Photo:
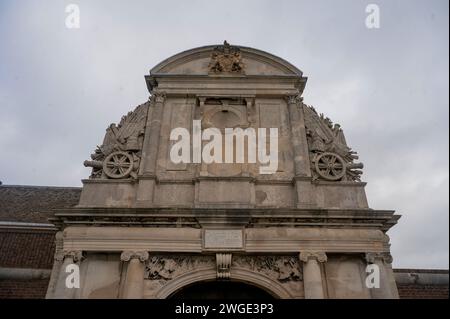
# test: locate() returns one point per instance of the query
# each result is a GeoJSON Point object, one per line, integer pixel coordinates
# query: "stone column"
{"type": "Point", "coordinates": [133, 286]}
{"type": "Point", "coordinates": [66, 258]}
{"type": "Point", "coordinates": [388, 287]}
{"type": "Point", "coordinates": [312, 274]}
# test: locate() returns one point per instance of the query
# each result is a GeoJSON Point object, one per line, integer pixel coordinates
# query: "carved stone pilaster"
{"type": "Point", "coordinates": [128, 255]}
{"type": "Point", "coordinates": [157, 97]}
{"type": "Point", "coordinates": [305, 256]}
{"type": "Point", "coordinates": [160, 97]}
{"type": "Point", "coordinates": [133, 287]}
{"type": "Point", "coordinates": [64, 258]}
{"type": "Point", "coordinates": [294, 99]}
{"type": "Point", "coordinates": [388, 286]}
{"type": "Point", "coordinates": [223, 262]}
{"type": "Point", "coordinates": [312, 273]}
{"type": "Point", "coordinates": [385, 257]}
{"type": "Point", "coordinates": [75, 255]}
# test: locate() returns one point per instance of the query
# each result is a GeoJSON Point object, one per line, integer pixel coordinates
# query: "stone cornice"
{"type": "Point", "coordinates": [169, 239]}
{"type": "Point", "coordinates": [252, 217]}
{"type": "Point", "coordinates": [256, 85]}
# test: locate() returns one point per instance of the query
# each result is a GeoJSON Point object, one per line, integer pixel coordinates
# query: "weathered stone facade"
{"type": "Point", "coordinates": [146, 227]}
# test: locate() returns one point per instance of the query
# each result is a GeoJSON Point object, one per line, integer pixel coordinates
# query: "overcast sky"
{"type": "Point", "coordinates": [387, 87]}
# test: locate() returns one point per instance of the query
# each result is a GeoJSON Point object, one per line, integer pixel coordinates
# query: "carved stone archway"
{"type": "Point", "coordinates": [261, 281]}
{"type": "Point", "coordinates": [221, 289]}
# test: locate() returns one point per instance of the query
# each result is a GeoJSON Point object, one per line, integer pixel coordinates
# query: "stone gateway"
{"type": "Point", "coordinates": [149, 227]}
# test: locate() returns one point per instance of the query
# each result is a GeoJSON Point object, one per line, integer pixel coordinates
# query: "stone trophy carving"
{"type": "Point", "coordinates": [119, 155]}
{"type": "Point", "coordinates": [281, 268]}
{"type": "Point", "coordinates": [226, 59]}
{"type": "Point", "coordinates": [331, 158]}
{"type": "Point", "coordinates": [166, 267]}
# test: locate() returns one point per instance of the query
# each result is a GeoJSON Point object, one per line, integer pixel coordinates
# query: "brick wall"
{"type": "Point", "coordinates": [23, 289]}
{"type": "Point", "coordinates": [422, 291]}
{"type": "Point", "coordinates": [33, 204]}
{"type": "Point", "coordinates": [27, 248]}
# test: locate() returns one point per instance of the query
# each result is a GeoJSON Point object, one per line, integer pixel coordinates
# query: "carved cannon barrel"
{"type": "Point", "coordinates": [355, 166]}
{"type": "Point", "coordinates": [95, 164]}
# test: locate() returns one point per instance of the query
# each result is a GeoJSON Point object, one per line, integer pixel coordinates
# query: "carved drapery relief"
{"type": "Point", "coordinates": [331, 158]}
{"type": "Point", "coordinates": [119, 155]}
{"type": "Point", "coordinates": [226, 59]}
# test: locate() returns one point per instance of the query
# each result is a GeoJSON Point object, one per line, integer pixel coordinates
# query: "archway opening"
{"type": "Point", "coordinates": [220, 290]}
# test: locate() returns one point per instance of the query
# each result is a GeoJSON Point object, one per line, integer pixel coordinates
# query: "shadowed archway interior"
{"type": "Point", "coordinates": [221, 290]}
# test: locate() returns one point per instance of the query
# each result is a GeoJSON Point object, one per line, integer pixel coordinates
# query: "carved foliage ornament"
{"type": "Point", "coordinates": [119, 155]}
{"type": "Point", "coordinates": [226, 59]}
{"type": "Point", "coordinates": [331, 158]}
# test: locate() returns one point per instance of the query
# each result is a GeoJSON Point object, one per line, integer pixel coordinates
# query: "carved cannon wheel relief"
{"type": "Point", "coordinates": [118, 165]}
{"type": "Point", "coordinates": [330, 166]}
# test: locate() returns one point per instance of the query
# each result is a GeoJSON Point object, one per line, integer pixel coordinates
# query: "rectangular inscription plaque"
{"type": "Point", "coordinates": [223, 239]}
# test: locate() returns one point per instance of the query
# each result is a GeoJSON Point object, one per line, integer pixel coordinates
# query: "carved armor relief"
{"type": "Point", "coordinates": [119, 155]}
{"type": "Point", "coordinates": [331, 159]}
